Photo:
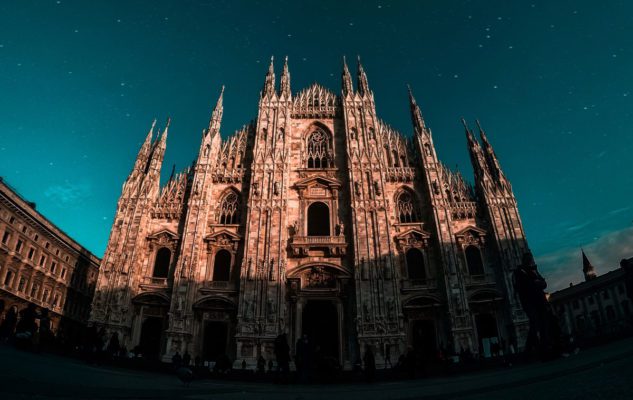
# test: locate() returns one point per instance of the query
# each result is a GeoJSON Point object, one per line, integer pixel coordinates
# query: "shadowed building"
{"type": "Point", "coordinates": [316, 218]}
{"type": "Point", "coordinates": [40, 264]}
{"type": "Point", "coordinates": [597, 307]}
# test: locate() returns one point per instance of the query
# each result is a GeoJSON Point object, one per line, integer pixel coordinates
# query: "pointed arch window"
{"type": "Point", "coordinates": [474, 260]}
{"type": "Point", "coordinates": [415, 264]}
{"type": "Point", "coordinates": [405, 208]}
{"type": "Point", "coordinates": [319, 150]}
{"type": "Point", "coordinates": [222, 266]}
{"type": "Point", "coordinates": [230, 209]}
{"type": "Point", "coordinates": [161, 264]}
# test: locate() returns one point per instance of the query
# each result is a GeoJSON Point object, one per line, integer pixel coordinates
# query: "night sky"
{"type": "Point", "coordinates": [551, 82]}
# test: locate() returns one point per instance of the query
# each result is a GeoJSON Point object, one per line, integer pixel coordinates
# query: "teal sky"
{"type": "Point", "coordinates": [551, 82]}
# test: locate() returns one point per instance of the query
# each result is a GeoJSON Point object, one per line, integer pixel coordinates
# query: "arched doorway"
{"type": "Point", "coordinates": [318, 219]}
{"type": "Point", "coordinates": [424, 339]}
{"type": "Point", "coordinates": [215, 338]}
{"type": "Point", "coordinates": [487, 333]}
{"type": "Point", "coordinates": [151, 337]}
{"type": "Point", "coordinates": [320, 321]}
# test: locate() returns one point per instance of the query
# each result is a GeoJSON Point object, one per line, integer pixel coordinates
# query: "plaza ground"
{"type": "Point", "coordinates": [597, 373]}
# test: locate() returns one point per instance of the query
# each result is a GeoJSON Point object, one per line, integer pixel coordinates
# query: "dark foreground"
{"type": "Point", "coordinates": [598, 373]}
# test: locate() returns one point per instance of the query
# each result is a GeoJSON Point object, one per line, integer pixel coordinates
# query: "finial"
{"type": "Point", "coordinates": [464, 123]}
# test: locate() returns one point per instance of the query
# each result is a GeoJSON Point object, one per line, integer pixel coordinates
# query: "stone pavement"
{"type": "Point", "coordinates": [597, 373]}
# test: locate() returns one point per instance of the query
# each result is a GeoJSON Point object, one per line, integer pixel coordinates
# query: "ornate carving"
{"type": "Point", "coordinates": [319, 278]}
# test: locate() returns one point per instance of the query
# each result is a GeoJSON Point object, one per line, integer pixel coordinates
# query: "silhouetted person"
{"type": "Point", "coordinates": [282, 354]}
{"type": "Point", "coordinates": [530, 287]}
{"type": "Point", "coordinates": [409, 362]}
{"type": "Point", "coordinates": [186, 359]}
{"type": "Point", "coordinates": [388, 356]}
{"type": "Point", "coordinates": [261, 364]}
{"type": "Point", "coordinates": [370, 363]}
{"type": "Point", "coordinates": [113, 345]}
{"type": "Point", "coordinates": [8, 325]}
{"type": "Point", "coordinates": [176, 360]}
{"type": "Point", "coordinates": [46, 335]}
{"type": "Point", "coordinates": [303, 357]}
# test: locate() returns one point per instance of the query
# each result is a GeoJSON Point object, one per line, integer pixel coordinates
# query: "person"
{"type": "Point", "coordinates": [186, 358]}
{"type": "Point", "coordinates": [370, 364]}
{"type": "Point", "coordinates": [282, 354]}
{"type": "Point", "coordinates": [8, 325]}
{"type": "Point", "coordinates": [530, 288]}
{"type": "Point", "coordinates": [388, 355]}
{"type": "Point", "coordinates": [303, 357]}
{"type": "Point", "coordinates": [46, 336]}
{"type": "Point", "coordinates": [261, 364]}
{"type": "Point", "coordinates": [409, 362]}
{"type": "Point", "coordinates": [176, 360]}
{"type": "Point", "coordinates": [113, 345]}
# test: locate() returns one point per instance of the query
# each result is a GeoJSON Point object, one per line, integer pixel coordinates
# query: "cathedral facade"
{"type": "Point", "coordinates": [315, 219]}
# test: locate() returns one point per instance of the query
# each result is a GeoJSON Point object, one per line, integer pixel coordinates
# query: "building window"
{"type": "Point", "coordinates": [47, 245]}
{"type": "Point", "coordinates": [590, 300]}
{"type": "Point", "coordinates": [53, 267]}
{"type": "Point", "coordinates": [161, 265]}
{"type": "Point", "coordinates": [55, 300]}
{"type": "Point", "coordinates": [595, 318]}
{"type": "Point", "coordinates": [63, 275]}
{"type": "Point", "coordinates": [610, 313]}
{"type": "Point", "coordinates": [576, 304]}
{"type": "Point", "coordinates": [24, 229]}
{"type": "Point", "coordinates": [406, 208]}
{"type": "Point", "coordinates": [11, 220]}
{"type": "Point", "coordinates": [222, 266]}
{"type": "Point", "coordinates": [580, 322]}
{"type": "Point", "coordinates": [45, 296]}
{"type": "Point", "coordinates": [415, 265]}
{"type": "Point", "coordinates": [34, 289]}
{"type": "Point", "coordinates": [5, 237]}
{"type": "Point", "coordinates": [36, 237]}
{"type": "Point", "coordinates": [21, 284]}
{"type": "Point", "coordinates": [18, 245]}
{"type": "Point", "coordinates": [8, 278]}
{"type": "Point", "coordinates": [605, 294]}
{"type": "Point", "coordinates": [31, 252]}
{"type": "Point", "coordinates": [230, 209]}
{"type": "Point", "coordinates": [42, 260]}
{"type": "Point", "coordinates": [474, 261]}
{"type": "Point", "coordinates": [319, 150]}
{"type": "Point", "coordinates": [318, 219]}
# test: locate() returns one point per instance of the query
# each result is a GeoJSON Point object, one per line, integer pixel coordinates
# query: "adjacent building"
{"type": "Point", "coordinates": [42, 265]}
{"type": "Point", "coordinates": [318, 219]}
{"type": "Point", "coordinates": [597, 307]}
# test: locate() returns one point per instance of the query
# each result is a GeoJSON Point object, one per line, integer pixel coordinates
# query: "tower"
{"type": "Point", "coordinates": [587, 269]}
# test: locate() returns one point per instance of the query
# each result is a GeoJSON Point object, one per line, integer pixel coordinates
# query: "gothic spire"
{"type": "Point", "coordinates": [587, 269]}
{"type": "Point", "coordinates": [216, 116]}
{"type": "Point", "coordinates": [269, 82]}
{"type": "Point", "coordinates": [476, 155]}
{"type": "Point", "coordinates": [363, 86]}
{"type": "Point", "coordinates": [347, 80]}
{"type": "Point", "coordinates": [145, 150]}
{"type": "Point", "coordinates": [284, 83]}
{"type": "Point", "coordinates": [490, 156]}
{"type": "Point", "coordinates": [416, 114]}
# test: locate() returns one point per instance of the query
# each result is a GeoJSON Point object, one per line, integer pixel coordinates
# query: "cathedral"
{"type": "Point", "coordinates": [316, 219]}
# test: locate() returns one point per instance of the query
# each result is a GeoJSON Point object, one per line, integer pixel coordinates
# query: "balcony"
{"type": "Point", "coordinates": [150, 282]}
{"type": "Point", "coordinates": [332, 246]}
{"type": "Point", "coordinates": [480, 280]}
{"type": "Point", "coordinates": [418, 284]}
